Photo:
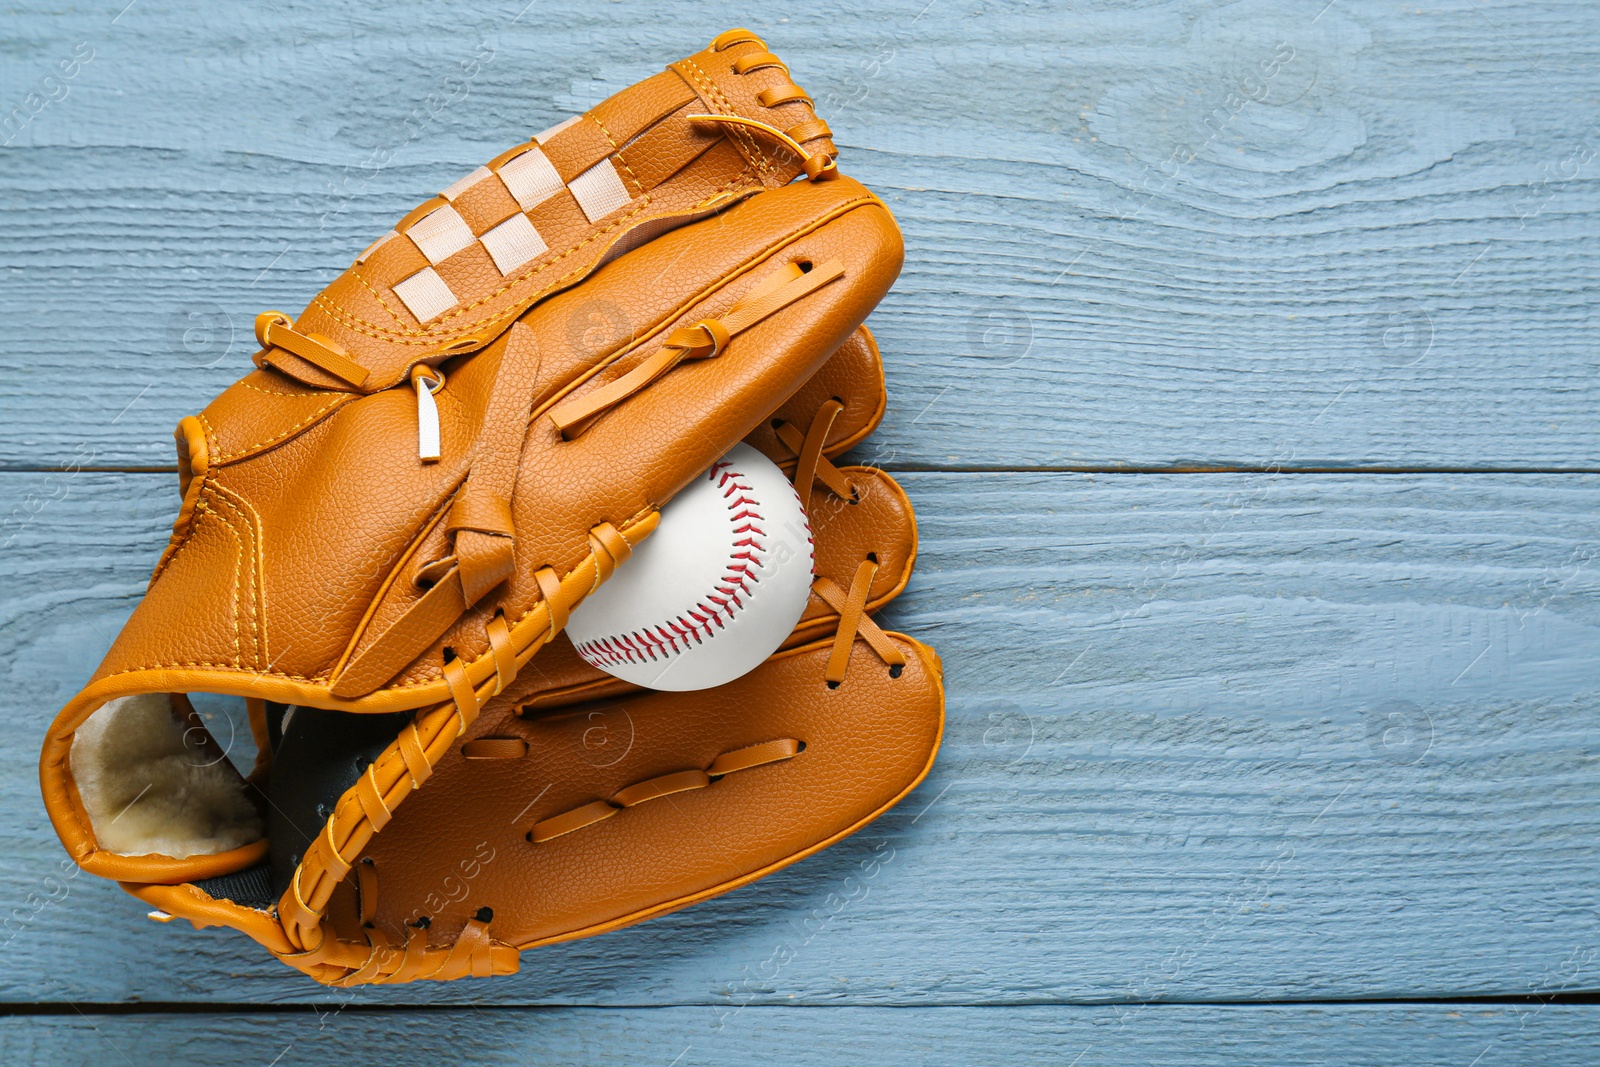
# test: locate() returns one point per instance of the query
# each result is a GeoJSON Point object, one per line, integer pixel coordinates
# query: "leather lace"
{"type": "Point", "coordinates": [472, 953]}
{"type": "Point", "coordinates": [284, 346]}
{"type": "Point", "coordinates": [794, 138]}
{"type": "Point", "coordinates": [816, 167]}
{"type": "Point", "coordinates": [812, 466]}
{"type": "Point", "coordinates": [853, 623]}
{"type": "Point", "coordinates": [662, 786]}
{"type": "Point", "coordinates": [704, 340]}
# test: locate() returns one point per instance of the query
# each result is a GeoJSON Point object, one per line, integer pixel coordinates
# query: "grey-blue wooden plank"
{"type": "Point", "coordinates": [1382, 251]}
{"type": "Point", "coordinates": [1380, 1035]}
{"type": "Point", "coordinates": [1223, 737]}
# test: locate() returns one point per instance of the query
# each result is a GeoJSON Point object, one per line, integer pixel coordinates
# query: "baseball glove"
{"type": "Point", "coordinates": [458, 440]}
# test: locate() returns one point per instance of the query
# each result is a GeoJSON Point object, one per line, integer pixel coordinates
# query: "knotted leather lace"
{"type": "Point", "coordinates": [704, 340]}
{"type": "Point", "coordinates": [288, 349]}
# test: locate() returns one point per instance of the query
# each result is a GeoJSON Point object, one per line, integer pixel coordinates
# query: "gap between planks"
{"type": "Point", "coordinates": [178, 1007]}
{"type": "Point", "coordinates": [957, 468]}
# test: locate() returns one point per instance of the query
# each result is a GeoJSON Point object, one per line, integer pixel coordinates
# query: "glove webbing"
{"type": "Point", "coordinates": [644, 136]}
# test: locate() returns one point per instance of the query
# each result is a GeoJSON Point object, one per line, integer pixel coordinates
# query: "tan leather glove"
{"type": "Point", "coordinates": [455, 442]}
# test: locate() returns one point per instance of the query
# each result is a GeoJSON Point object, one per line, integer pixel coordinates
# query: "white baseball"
{"type": "Point", "coordinates": [713, 591]}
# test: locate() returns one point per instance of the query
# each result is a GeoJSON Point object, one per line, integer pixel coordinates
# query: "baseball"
{"type": "Point", "coordinates": [713, 591]}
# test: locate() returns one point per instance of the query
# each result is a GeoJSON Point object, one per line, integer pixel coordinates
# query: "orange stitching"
{"type": "Point", "coordinates": [286, 434]}
{"type": "Point", "coordinates": [703, 81]}
{"type": "Point", "coordinates": [744, 139]}
{"type": "Point", "coordinates": [213, 666]}
{"type": "Point", "coordinates": [767, 165]}
{"type": "Point", "coordinates": [348, 317]}
{"type": "Point", "coordinates": [214, 446]}
{"type": "Point", "coordinates": [175, 547]}
{"type": "Point", "coordinates": [616, 150]}
{"type": "Point", "coordinates": [399, 323]}
{"type": "Point", "coordinates": [238, 555]}
{"type": "Point", "coordinates": [259, 579]}
{"type": "Point", "coordinates": [200, 506]}
{"type": "Point", "coordinates": [748, 144]}
{"type": "Point", "coordinates": [243, 384]}
{"type": "Point", "coordinates": [238, 570]}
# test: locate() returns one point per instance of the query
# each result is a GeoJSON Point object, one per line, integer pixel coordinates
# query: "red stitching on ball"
{"type": "Point", "coordinates": [747, 557]}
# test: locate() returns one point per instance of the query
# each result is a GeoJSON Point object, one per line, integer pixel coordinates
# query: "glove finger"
{"type": "Point", "coordinates": [853, 376]}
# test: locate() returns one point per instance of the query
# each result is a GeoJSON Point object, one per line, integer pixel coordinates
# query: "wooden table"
{"type": "Point", "coordinates": [1243, 373]}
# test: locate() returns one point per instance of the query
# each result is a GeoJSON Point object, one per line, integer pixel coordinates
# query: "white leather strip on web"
{"type": "Point", "coordinates": [557, 128]}
{"type": "Point", "coordinates": [599, 190]}
{"type": "Point", "coordinates": [459, 187]}
{"type": "Point", "coordinates": [426, 294]}
{"type": "Point", "coordinates": [531, 178]}
{"type": "Point", "coordinates": [440, 234]}
{"type": "Point", "coordinates": [513, 243]}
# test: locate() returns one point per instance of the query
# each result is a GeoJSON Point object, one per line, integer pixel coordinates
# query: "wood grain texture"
{"type": "Point", "coordinates": [1434, 1035]}
{"type": "Point", "coordinates": [1212, 738]}
{"type": "Point", "coordinates": [1270, 233]}
{"type": "Point", "coordinates": [1223, 737]}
